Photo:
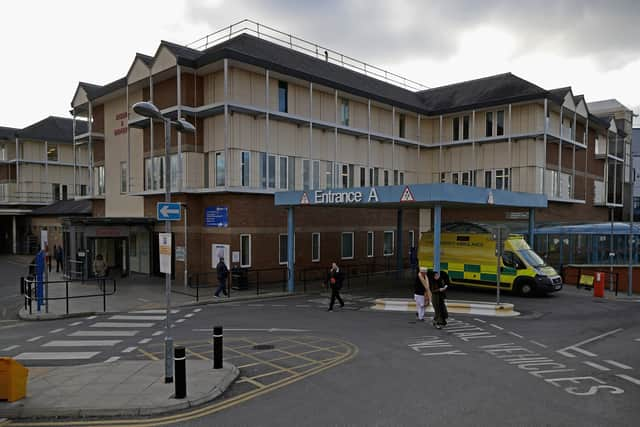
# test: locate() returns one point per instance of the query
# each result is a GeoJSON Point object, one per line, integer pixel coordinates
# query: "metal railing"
{"type": "Point", "coordinates": [248, 26]}
{"type": "Point", "coordinates": [106, 287]}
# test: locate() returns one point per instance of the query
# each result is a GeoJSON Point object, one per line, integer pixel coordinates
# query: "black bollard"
{"type": "Point", "coordinates": [180, 374]}
{"type": "Point", "coordinates": [217, 347]}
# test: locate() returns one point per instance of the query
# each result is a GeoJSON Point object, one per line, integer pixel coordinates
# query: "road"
{"type": "Point", "coordinates": [11, 269]}
{"type": "Point", "coordinates": [567, 360]}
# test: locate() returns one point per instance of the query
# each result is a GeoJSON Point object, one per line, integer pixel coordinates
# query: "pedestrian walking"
{"type": "Point", "coordinates": [48, 257]}
{"type": "Point", "coordinates": [57, 252]}
{"type": "Point", "coordinates": [421, 293]}
{"type": "Point", "coordinates": [335, 283]}
{"type": "Point", "coordinates": [100, 270]}
{"type": "Point", "coordinates": [222, 272]}
{"type": "Point", "coordinates": [438, 287]}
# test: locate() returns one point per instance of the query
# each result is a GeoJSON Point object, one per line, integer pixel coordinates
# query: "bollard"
{"type": "Point", "coordinates": [217, 347]}
{"type": "Point", "coordinates": [180, 373]}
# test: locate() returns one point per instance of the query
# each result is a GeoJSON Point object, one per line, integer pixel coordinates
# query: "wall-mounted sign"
{"type": "Point", "coordinates": [180, 253]}
{"type": "Point", "coordinates": [518, 215]}
{"type": "Point", "coordinates": [343, 197]}
{"type": "Point", "coordinates": [216, 216]}
{"type": "Point", "coordinates": [122, 127]}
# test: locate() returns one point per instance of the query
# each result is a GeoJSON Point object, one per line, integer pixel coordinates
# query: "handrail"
{"type": "Point", "coordinates": [248, 26]}
{"type": "Point", "coordinates": [30, 294]}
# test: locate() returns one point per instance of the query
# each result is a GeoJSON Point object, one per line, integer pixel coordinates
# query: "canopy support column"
{"type": "Point", "coordinates": [399, 244]}
{"type": "Point", "coordinates": [532, 227]}
{"type": "Point", "coordinates": [290, 254]}
{"type": "Point", "coordinates": [437, 220]}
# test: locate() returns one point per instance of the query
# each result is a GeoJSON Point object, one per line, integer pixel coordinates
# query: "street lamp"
{"type": "Point", "coordinates": [148, 109]}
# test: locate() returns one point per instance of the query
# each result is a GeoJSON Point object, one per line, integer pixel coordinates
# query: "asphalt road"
{"type": "Point", "coordinates": [11, 269]}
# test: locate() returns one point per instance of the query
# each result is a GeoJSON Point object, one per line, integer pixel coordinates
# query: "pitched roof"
{"type": "Point", "coordinates": [52, 128]}
{"type": "Point", "coordinates": [606, 106]}
{"type": "Point", "coordinates": [479, 93]}
{"type": "Point", "coordinates": [7, 133]}
{"type": "Point", "coordinates": [65, 208]}
{"type": "Point", "coordinates": [145, 58]}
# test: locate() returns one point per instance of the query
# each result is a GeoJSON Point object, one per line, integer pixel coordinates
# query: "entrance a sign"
{"type": "Point", "coordinates": [165, 252]}
{"type": "Point", "coordinates": [168, 211]}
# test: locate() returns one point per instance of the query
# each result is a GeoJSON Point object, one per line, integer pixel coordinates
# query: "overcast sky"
{"type": "Point", "coordinates": [591, 45]}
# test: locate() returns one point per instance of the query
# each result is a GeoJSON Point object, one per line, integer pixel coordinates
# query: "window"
{"type": "Point", "coordinates": [344, 112]}
{"type": "Point", "coordinates": [456, 128]}
{"type": "Point", "coordinates": [329, 175]}
{"type": "Point", "coordinates": [173, 161]}
{"type": "Point", "coordinates": [386, 177]}
{"type": "Point", "coordinates": [443, 177]}
{"type": "Point", "coordinates": [465, 127]}
{"type": "Point", "coordinates": [220, 173]}
{"type": "Point", "coordinates": [505, 176]}
{"type": "Point", "coordinates": [52, 153]}
{"type": "Point", "coordinates": [499, 179]}
{"type": "Point", "coordinates": [388, 243]}
{"type": "Point", "coordinates": [412, 241]}
{"type": "Point", "coordinates": [376, 174]}
{"type": "Point", "coordinates": [402, 126]}
{"type": "Point", "coordinates": [100, 178]}
{"type": "Point", "coordinates": [81, 190]}
{"type": "Point", "coordinates": [282, 248]}
{"type": "Point", "coordinates": [347, 245]}
{"type": "Point", "coordinates": [454, 178]}
{"type": "Point", "coordinates": [315, 247]}
{"type": "Point", "coordinates": [272, 171]}
{"type": "Point", "coordinates": [369, 244]}
{"type": "Point", "coordinates": [283, 94]}
{"type": "Point", "coordinates": [245, 250]}
{"type": "Point", "coordinates": [306, 174]}
{"type": "Point", "coordinates": [284, 175]}
{"type": "Point", "coordinates": [263, 170]}
{"type": "Point", "coordinates": [500, 122]}
{"type": "Point", "coordinates": [466, 178]}
{"type": "Point", "coordinates": [316, 174]}
{"type": "Point", "coordinates": [123, 177]}
{"type": "Point", "coordinates": [401, 178]}
{"type": "Point", "coordinates": [245, 168]}
{"type": "Point", "coordinates": [3, 152]}
{"type": "Point", "coordinates": [363, 177]}
{"type": "Point", "coordinates": [55, 191]}
{"type": "Point", "coordinates": [395, 177]}
{"type": "Point", "coordinates": [489, 124]}
{"type": "Point", "coordinates": [291, 166]}
{"type": "Point", "coordinates": [345, 176]}
{"type": "Point", "coordinates": [488, 181]}
{"type": "Point", "coordinates": [352, 176]}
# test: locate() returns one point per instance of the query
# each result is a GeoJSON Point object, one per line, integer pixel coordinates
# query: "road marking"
{"type": "Point", "coordinates": [153, 312]}
{"type": "Point", "coordinates": [618, 364]}
{"type": "Point", "coordinates": [55, 331]}
{"type": "Point", "coordinates": [112, 359]}
{"type": "Point", "coordinates": [75, 323]}
{"type": "Point", "coordinates": [91, 317]}
{"type": "Point", "coordinates": [197, 310]}
{"type": "Point", "coordinates": [188, 315]}
{"type": "Point", "coordinates": [255, 305]}
{"type": "Point", "coordinates": [516, 335]}
{"type": "Point", "coordinates": [148, 355]}
{"type": "Point", "coordinates": [103, 334]}
{"type": "Point", "coordinates": [34, 339]}
{"type": "Point", "coordinates": [278, 305]}
{"type": "Point", "coordinates": [575, 347]}
{"type": "Point", "coordinates": [180, 320]}
{"type": "Point", "coordinates": [628, 378]}
{"type": "Point", "coordinates": [155, 334]}
{"type": "Point", "coordinates": [11, 347]}
{"type": "Point", "coordinates": [138, 317]}
{"type": "Point", "coordinates": [121, 325]}
{"type": "Point", "coordinates": [84, 343]}
{"type": "Point", "coordinates": [597, 366]}
{"type": "Point", "coordinates": [70, 355]}
{"type": "Point", "coordinates": [253, 330]}
{"type": "Point", "coordinates": [637, 339]}
{"type": "Point", "coordinates": [144, 341]}
{"type": "Point", "coordinates": [497, 327]}
{"type": "Point", "coordinates": [479, 320]}
{"type": "Point", "coordinates": [129, 349]}
{"type": "Point", "coordinates": [303, 305]}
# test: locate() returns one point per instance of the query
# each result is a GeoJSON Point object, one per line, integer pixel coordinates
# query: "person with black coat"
{"type": "Point", "coordinates": [438, 286]}
{"type": "Point", "coordinates": [335, 283]}
{"type": "Point", "coordinates": [222, 272]}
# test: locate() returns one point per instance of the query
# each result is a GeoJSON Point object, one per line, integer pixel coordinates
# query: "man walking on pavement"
{"type": "Point", "coordinates": [438, 287]}
{"type": "Point", "coordinates": [222, 272]}
{"type": "Point", "coordinates": [335, 283]}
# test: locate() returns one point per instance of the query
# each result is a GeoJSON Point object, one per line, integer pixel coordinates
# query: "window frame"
{"type": "Point", "coordinates": [465, 127]}
{"type": "Point", "coordinates": [384, 252]}
{"type": "Point", "coordinates": [280, 236]}
{"type": "Point", "coordinates": [123, 177]}
{"type": "Point", "coordinates": [55, 149]}
{"type": "Point", "coordinates": [283, 161]}
{"type": "Point", "coordinates": [455, 125]}
{"type": "Point", "coordinates": [344, 111]}
{"type": "Point", "coordinates": [371, 248]}
{"type": "Point", "coordinates": [500, 123]}
{"type": "Point", "coordinates": [402, 125]}
{"type": "Point", "coordinates": [488, 123]}
{"type": "Point", "coordinates": [245, 265]}
{"type": "Point", "coordinates": [313, 237]}
{"type": "Point", "coordinates": [342, 235]}
{"type": "Point", "coordinates": [245, 168]}
{"type": "Point", "coordinates": [283, 89]}
{"type": "Point", "coordinates": [220, 173]}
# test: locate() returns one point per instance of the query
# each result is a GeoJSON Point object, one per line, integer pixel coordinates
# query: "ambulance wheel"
{"type": "Point", "coordinates": [526, 287]}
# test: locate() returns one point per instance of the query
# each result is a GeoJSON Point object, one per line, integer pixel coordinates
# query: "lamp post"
{"type": "Point", "coordinates": [148, 109]}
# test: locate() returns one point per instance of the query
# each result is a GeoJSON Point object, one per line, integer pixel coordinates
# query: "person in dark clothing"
{"type": "Point", "coordinates": [335, 283]}
{"type": "Point", "coordinates": [222, 272]}
{"type": "Point", "coordinates": [438, 287]}
{"type": "Point", "coordinates": [59, 257]}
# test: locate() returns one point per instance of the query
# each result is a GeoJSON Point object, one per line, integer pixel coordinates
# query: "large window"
{"type": "Point", "coordinates": [386, 177]}
{"type": "Point", "coordinates": [245, 169]}
{"type": "Point", "coordinates": [284, 162]}
{"type": "Point", "coordinates": [465, 127]}
{"type": "Point", "coordinates": [363, 177]}
{"type": "Point", "coordinates": [329, 175]}
{"type": "Point", "coordinates": [388, 243]}
{"type": "Point", "coordinates": [272, 171]}
{"type": "Point", "coordinates": [345, 176]}
{"type": "Point", "coordinates": [263, 170]}
{"type": "Point", "coordinates": [283, 94]}
{"type": "Point", "coordinates": [3, 152]}
{"type": "Point", "coordinates": [52, 152]}
{"type": "Point", "coordinates": [488, 124]}
{"type": "Point", "coordinates": [456, 128]}
{"type": "Point", "coordinates": [55, 191]}
{"type": "Point", "coordinates": [283, 244]}
{"type": "Point", "coordinates": [306, 174]}
{"type": "Point", "coordinates": [344, 112]}
{"type": "Point", "coordinates": [220, 169]}
{"type": "Point", "coordinates": [500, 123]}
{"type": "Point", "coordinates": [315, 247]}
{"type": "Point", "coordinates": [402, 126]}
{"type": "Point", "coordinates": [370, 243]}
{"type": "Point", "coordinates": [100, 180]}
{"type": "Point", "coordinates": [291, 166]}
{"type": "Point", "coordinates": [347, 245]}
{"type": "Point", "coordinates": [316, 174]}
{"type": "Point", "coordinates": [245, 250]}
{"type": "Point", "coordinates": [123, 177]}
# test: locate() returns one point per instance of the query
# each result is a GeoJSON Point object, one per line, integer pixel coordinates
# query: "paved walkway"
{"type": "Point", "coordinates": [125, 388]}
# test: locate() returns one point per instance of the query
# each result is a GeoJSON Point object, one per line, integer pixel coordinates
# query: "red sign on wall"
{"type": "Point", "coordinates": [123, 127]}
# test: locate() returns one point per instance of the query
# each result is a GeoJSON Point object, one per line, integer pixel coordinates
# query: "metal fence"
{"type": "Point", "coordinates": [28, 287]}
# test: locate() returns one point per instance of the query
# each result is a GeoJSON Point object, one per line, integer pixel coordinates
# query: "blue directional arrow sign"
{"type": "Point", "coordinates": [168, 211]}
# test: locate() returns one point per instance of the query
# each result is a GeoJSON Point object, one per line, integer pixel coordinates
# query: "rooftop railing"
{"type": "Point", "coordinates": [247, 26]}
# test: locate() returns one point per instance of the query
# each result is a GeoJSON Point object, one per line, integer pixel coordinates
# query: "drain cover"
{"type": "Point", "coordinates": [263, 347]}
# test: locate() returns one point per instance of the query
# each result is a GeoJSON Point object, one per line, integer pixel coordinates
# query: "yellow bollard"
{"type": "Point", "coordinates": [13, 380]}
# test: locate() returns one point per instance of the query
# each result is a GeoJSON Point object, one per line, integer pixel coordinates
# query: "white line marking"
{"type": "Point", "coordinates": [75, 324]}
{"type": "Point", "coordinates": [538, 343]}
{"type": "Point", "coordinates": [121, 325]}
{"type": "Point", "coordinates": [55, 331]}
{"type": "Point", "coordinates": [597, 366]}
{"type": "Point", "coordinates": [479, 320]}
{"type": "Point", "coordinates": [153, 312]}
{"type": "Point", "coordinates": [197, 310]}
{"type": "Point", "coordinates": [497, 327]}
{"type": "Point", "coordinates": [144, 341]}
{"type": "Point", "coordinates": [188, 315]}
{"type": "Point", "coordinates": [155, 334]}
{"type": "Point", "coordinates": [253, 330]}
{"type": "Point", "coordinates": [34, 339]}
{"type": "Point", "coordinates": [128, 349]}
{"type": "Point", "coordinates": [180, 320]}
{"type": "Point", "coordinates": [103, 334]}
{"type": "Point", "coordinates": [303, 305]}
{"type": "Point", "coordinates": [574, 347]}
{"type": "Point", "coordinates": [57, 355]}
{"type": "Point", "coordinates": [255, 305]}
{"type": "Point", "coordinates": [91, 317]}
{"type": "Point", "coordinates": [278, 305]}
{"type": "Point", "coordinates": [85, 343]}
{"type": "Point", "coordinates": [516, 335]}
{"type": "Point", "coordinates": [11, 347]}
{"type": "Point", "coordinates": [637, 339]}
{"type": "Point", "coordinates": [618, 364]}
{"type": "Point", "coordinates": [138, 317]}
{"type": "Point", "coordinates": [628, 378]}
{"type": "Point", "coordinates": [112, 359]}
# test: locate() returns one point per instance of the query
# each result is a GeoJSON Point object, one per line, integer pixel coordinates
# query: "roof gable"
{"type": "Point", "coordinates": [163, 59]}
{"type": "Point", "coordinates": [139, 69]}
{"type": "Point", "coordinates": [59, 129]}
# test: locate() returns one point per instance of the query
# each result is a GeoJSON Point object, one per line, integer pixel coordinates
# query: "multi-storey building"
{"type": "Point", "coordinates": [274, 116]}
{"type": "Point", "coordinates": [635, 153]}
{"type": "Point", "coordinates": [38, 166]}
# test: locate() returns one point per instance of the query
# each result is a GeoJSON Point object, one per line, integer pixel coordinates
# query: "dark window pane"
{"type": "Point", "coordinates": [489, 124]}
{"type": "Point", "coordinates": [465, 127]}
{"type": "Point", "coordinates": [500, 123]}
{"type": "Point", "coordinates": [456, 128]}
{"type": "Point", "coordinates": [282, 97]}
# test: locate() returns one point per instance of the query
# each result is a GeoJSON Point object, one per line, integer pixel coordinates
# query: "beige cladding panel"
{"type": "Point", "coordinates": [213, 133]}
{"type": "Point", "coordinates": [273, 94]}
{"type": "Point", "coordinates": [258, 90]}
{"type": "Point", "coordinates": [323, 144]}
{"type": "Point", "coordinates": [351, 149]}
{"type": "Point", "coordinates": [65, 152]}
{"type": "Point", "coordinates": [80, 98]}
{"type": "Point", "coordinates": [324, 106]}
{"type": "Point", "coordinates": [358, 115]}
{"type": "Point", "coordinates": [163, 61]}
{"type": "Point", "coordinates": [32, 150]}
{"type": "Point", "coordinates": [298, 102]}
{"type": "Point", "coordinates": [139, 71]}
{"type": "Point", "coordinates": [381, 120]}
{"type": "Point", "coordinates": [411, 127]}
{"type": "Point", "coordinates": [213, 88]}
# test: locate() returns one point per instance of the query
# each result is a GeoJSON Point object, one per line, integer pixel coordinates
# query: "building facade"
{"type": "Point", "coordinates": [270, 117]}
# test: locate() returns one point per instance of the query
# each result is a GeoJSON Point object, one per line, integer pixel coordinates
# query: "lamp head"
{"type": "Point", "coordinates": [147, 109]}
{"type": "Point", "coordinates": [183, 126]}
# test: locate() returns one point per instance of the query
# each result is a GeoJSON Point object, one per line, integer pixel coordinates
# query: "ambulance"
{"type": "Point", "coordinates": [468, 257]}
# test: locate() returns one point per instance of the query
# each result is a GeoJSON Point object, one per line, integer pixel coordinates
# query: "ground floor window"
{"type": "Point", "coordinates": [388, 243]}
{"type": "Point", "coordinates": [315, 247]}
{"type": "Point", "coordinates": [370, 244]}
{"type": "Point", "coordinates": [347, 245]}
{"type": "Point", "coordinates": [412, 242]}
{"type": "Point", "coordinates": [245, 250]}
{"type": "Point", "coordinates": [283, 245]}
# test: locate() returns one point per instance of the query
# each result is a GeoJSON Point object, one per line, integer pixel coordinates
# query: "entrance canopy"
{"type": "Point", "coordinates": [412, 196]}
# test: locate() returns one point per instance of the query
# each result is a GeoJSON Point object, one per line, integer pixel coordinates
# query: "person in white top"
{"type": "Point", "coordinates": [421, 293]}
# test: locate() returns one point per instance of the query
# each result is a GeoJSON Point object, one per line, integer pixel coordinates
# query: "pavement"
{"type": "Point", "coordinates": [126, 388]}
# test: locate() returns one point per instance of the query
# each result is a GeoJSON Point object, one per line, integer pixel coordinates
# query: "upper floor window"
{"type": "Point", "coordinates": [465, 127]}
{"type": "Point", "coordinates": [123, 177]}
{"type": "Point", "coordinates": [3, 152]}
{"type": "Point", "coordinates": [245, 168]}
{"type": "Point", "coordinates": [402, 126]}
{"type": "Point", "coordinates": [283, 94]}
{"type": "Point", "coordinates": [220, 169]}
{"type": "Point", "coordinates": [52, 153]}
{"type": "Point", "coordinates": [456, 128]}
{"type": "Point", "coordinates": [500, 122]}
{"type": "Point", "coordinates": [344, 112]}
{"type": "Point", "coordinates": [488, 124]}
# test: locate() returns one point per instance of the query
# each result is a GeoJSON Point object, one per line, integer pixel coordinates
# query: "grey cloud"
{"type": "Point", "coordinates": [388, 31]}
